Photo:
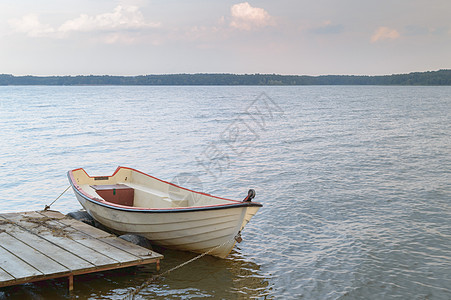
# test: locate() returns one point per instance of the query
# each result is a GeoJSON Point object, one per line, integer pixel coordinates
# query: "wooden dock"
{"type": "Point", "coordinates": [43, 245]}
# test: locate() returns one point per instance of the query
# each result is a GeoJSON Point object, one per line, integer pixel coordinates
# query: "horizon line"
{"type": "Point", "coordinates": [219, 73]}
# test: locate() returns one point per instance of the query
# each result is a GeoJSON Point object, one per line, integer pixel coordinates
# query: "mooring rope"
{"type": "Point", "coordinates": [131, 295]}
{"type": "Point", "coordinates": [47, 207]}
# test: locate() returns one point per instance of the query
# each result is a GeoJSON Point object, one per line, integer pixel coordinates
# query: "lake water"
{"type": "Point", "coordinates": [355, 182]}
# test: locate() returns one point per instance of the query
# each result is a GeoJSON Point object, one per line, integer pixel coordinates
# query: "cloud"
{"type": "Point", "coordinates": [246, 17]}
{"type": "Point", "coordinates": [122, 18]}
{"type": "Point", "coordinates": [31, 26]}
{"type": "Point", "coordinates": [119, 22]}
{"type": "Point", "coordinates": [384, 33]}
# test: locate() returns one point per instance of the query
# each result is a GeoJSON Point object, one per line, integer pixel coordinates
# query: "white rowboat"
{"type": "Point", "coordinates": [130, 201]}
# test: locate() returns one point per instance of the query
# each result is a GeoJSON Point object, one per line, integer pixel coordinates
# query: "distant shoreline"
{"type": "Point", "coordinates": [429, 78]}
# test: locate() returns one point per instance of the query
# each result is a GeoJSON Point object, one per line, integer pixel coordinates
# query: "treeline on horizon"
{"type": "Point", "coordinates": [440, 77]}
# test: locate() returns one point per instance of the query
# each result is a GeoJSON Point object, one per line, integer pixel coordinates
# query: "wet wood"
{"type": "Point", "coordinates": [43, 245]}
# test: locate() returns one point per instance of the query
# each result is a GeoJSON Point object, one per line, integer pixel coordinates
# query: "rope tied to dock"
{"type": "Point", "coordinates": [131, 295]}
{"type": "Point", "coordinates": [47, 207]}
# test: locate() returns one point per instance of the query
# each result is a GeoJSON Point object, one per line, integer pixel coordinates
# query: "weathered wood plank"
{"type": "Point", "coordinates": [131, 248]}
{"type": "Point", "coordinates": [85, 228]}
{"type": "Point", "coordinates": [59, 254]}
{"type": "Point", "coordinates": [110, 239]}
{"type": "Point", "coordinates": [60, 237]}
{"type": "Point", "coordinates": [96, 244]}
{"type": "Point", "coordinates": [86, 253]}
{"type": "Point", "coordinates": [31, 256]}
{"type": "Point", "coordinates": [6, 215]}
{"type": "Point", "coordinates": [15, 266]}
{"type": "Point", "coordinates": [43, 245]}
{"type": "Point", "coordinates": [30, 216]}
{"type": "Point", "coordinates": [52, 214]}
{"type": "Point", "coordinates": [112, 252]}
{"type": "Point", "coordinates": [4, 276]}
{"type": "Point", "coordinates": [109, 244]}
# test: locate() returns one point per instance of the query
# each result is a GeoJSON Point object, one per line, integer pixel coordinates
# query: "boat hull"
{"type": "Point", "coordinates": [197, 229]}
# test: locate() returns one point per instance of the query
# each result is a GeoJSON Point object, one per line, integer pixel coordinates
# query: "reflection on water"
{"type": "Point", "coordinates": [231, 278]}
{"type": "Point", "coordinates": [355, 183]}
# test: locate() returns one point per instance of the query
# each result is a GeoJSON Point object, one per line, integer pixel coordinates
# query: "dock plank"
{"type": "Point", "coordinates": [31, 216]}
{"type": "Point", "coordinates": [94, 257]}
{"type": "Point", "coordinates": [116, 248]}
{"type": "Point", "coordinates": [31, 256]}
{"type": "Point", "coordinates": [59, 237]}
{"type": "Point", "coordinates": [126, 246]}
{"type": "Point", "coordinates": [108, 238]}
{"type": "Point", "coordinates": [15, 266]}
{"type": "Point", "coordinates": [80, 226]}
{"type": "Point", "coordinates": [93, 243]}
{"type": "Point", "coordinates": [85, 228]}
{"type": "Point", "coordinates": [59, 254]}
{"type": "Point", "coordinates": [51, 214]}
{"type": "Point", "coordinates": [43, 245]}
{"type": "Point", "coordinates": [97, 244]}
{"type": "Point", "coordinates": [112, 252]}
{"type": "Point", "coordinates": [4, 276]}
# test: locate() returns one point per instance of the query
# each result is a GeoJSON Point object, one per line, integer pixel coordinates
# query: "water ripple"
{"type": "Point", "coordinates": [355, 183]}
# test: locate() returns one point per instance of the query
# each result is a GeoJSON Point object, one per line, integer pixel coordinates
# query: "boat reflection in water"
{"type": "Point", "coordinates": [231, 278]}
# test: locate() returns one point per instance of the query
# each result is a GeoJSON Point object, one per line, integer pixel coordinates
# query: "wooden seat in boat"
{"type": "Point", "coordinates": [115, 193]}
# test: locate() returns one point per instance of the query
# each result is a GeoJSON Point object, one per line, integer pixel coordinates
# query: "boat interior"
{"type": "Point", "coordinates": [128, 187]}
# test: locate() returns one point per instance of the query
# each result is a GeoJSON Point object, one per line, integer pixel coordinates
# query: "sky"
{"type": "Point", "coordinates": [297, 37]}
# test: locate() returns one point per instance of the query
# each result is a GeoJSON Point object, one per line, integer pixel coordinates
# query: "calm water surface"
{"type": "Point", "coordinates": [355, 182]}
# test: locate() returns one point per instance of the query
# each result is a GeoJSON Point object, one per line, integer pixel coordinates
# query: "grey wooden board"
{"type": "Point", "coordinates": [85, 228]}
{"type": "Point", "coordinates": [4, 276]}
{"type": "Point", "coordinates": [65, 242]}
{"type": "Point", "coordinates": [108, 250]}
{"type": "Point", "coordinates": [108, 238]}
{"type": "Point", "coordinates": [52, 214]}
{"type": "Point", "coordinates": [15, 266]}
{"type": "Point", "coordinates": [40, 245]}
{"type": "Point", "coordinates": [86, 240]}
{"type": "Point", "coordinates": [95, 244]}
{"type": "Point", "coordinates": [31, 256]}
{"type": "Point", "coordinates": [29, 215]}
{"type": "Point", "coordinates": [62, 238]}
{"type": "Point", "coordinates": [126, 246]}
{"type": "Point", "coordinates": [62, 256]}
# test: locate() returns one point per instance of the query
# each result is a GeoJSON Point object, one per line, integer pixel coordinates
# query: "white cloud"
{"type": "Point", "coordinates": [30, 25]}
{"type": "Point", "coordinates": [384, 33]}
{"type": "Point", "coordinates": [246, 17]}
{"type": "Point", "coordinates": [129, 17]}
{"type": "Point", "coordinates": [120, 21]}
